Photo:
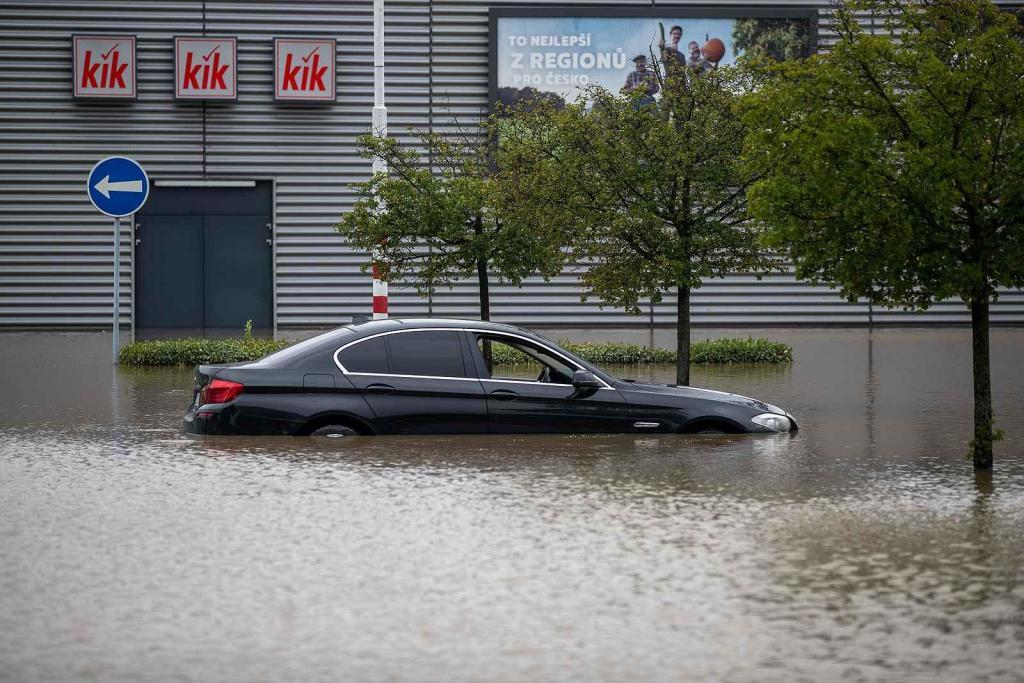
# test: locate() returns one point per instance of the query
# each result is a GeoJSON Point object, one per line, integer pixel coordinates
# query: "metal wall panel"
{"type": "Point", "coordinates": [55, 249]}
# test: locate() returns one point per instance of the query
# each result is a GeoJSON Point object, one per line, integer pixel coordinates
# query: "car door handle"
{"type": "Point", "coordinates": [380, 389]}
{"type": "Point", "coordinates": [503, 395]}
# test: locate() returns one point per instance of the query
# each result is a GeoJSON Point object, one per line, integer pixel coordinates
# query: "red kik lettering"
{"type": "Point", "coordinates": [89, 71]}
{"type": "Point", "coordinates": [316, 82]}
{"type": "Point", "coordinates": [190, 81]}
{"type": "Point", "coordinates": [289, 74]}
{"type": "Point", "coordinates": [218, 73]}
{"type": "Point", "coordinates": [117, 73]}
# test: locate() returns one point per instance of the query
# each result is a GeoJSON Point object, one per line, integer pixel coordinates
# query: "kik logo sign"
{"type": "Point", "coordinates": [205, 68]}
{"type": "Point", "coordinates": [304, 69]}
{"type": "Point", "coordinates": [104, 66]}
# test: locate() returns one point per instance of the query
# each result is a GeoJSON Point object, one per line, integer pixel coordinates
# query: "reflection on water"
{"type": "Point", "coordinates": [861, 547]}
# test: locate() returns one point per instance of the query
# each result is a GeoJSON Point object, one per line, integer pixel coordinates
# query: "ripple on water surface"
{"type": "Point", "coordinates": [862, 547]}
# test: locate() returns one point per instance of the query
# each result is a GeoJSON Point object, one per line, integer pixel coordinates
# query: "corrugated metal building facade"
{"type": "Point", "coordinates": [55, 249]}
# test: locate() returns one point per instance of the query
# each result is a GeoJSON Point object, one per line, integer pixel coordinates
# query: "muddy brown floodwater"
{"type": "Point", "coordinates": [861, 548]}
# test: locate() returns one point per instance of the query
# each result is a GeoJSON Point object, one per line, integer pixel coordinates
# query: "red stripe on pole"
{"type": "Point", "coordinates": [380, 290]}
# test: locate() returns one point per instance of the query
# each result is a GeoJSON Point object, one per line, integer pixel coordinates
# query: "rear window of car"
{"type": "Point", "coordinates": [436, 353]}
{"type": "Point", "coordinates": [365, 356]}
{"type": "Point", "coordinates": [328, 341]}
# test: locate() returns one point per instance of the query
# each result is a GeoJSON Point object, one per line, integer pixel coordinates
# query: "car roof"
{"type": "Point", "coordinates": [330, 339]}
{"type": "Point", "coordinates": [371, 327]}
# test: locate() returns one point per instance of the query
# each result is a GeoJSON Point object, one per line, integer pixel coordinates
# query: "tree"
{"type": "Point", "coordinates": [777, 39]}
{"type": "Point", "coordinates": [430, 225]}
{"type": "Point", "coordinates": [898, 164]}
{"type": "Point", "coordinates": [651, 197]}
{"type": "Point", "coordinates": [524, 97]}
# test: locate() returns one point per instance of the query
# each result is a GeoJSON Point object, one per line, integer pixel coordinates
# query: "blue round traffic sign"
{"type": "Point", "coordinates": [118, 186]}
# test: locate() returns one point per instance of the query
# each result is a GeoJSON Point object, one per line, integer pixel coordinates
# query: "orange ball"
{"type": "Point", "coordinates": [713, 50]}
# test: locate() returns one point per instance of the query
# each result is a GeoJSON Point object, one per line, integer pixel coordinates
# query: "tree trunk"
{"type": "Point", "coordinates": [683, 337]}
{"type": "Point", "coordinates": [981, 446]}
{"type": "Point", "coordinates": [485, 297]}
{"type": "Point", "coordinates": [481, 273]}
{"type": "Point", "coordinates": [485, 309]}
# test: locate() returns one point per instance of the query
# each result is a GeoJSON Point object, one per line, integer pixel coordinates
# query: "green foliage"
{"type": "Point", "coordinates": [432, 224]}
{"type": "Point", "coordinates": [651, 196]}
{"type": "Point", "coordinates": [985, 435]}
{"type": "Point", "coordinates": [198, 351]}
{"type": "Point", "coordinates": [703, 352]}
{"type": "Point", "coordinates": [895, 166]}
{"type": "Point", "coordinates": [777, 39]}
{"type": "Point", "coordinates": [741, 351]}
{"type": "Point", "coordinates": [617, 352]}
{"type": "Point", "coordinates": [247, 331]}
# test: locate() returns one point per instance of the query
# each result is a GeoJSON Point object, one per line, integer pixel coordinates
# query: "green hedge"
{"type": "Point", "coordinates": [740, 351]}
{"type": "Point", "coordinates": [197, 351]}
{"type": "Point", "coordinates": [702, 352]}
{"type": "Point", "coordinates": [617, 353]}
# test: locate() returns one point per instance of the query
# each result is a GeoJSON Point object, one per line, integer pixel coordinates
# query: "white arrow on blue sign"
{"type": "Point", "coordinates": [118, 186]}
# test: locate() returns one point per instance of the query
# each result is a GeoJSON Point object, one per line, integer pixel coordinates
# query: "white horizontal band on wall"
{"type": "Point", "coordinates": [204, 183]}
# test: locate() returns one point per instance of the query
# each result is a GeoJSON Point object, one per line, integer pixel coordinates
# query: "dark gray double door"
{"type": "Point", "coordinates": [203, 259]}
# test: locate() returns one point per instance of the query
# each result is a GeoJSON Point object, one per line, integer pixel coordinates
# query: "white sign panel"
{"type": "Point", "coordinates": [304, 69]}
{"type": "Point", "coordinates": [205, 68]}
{"type": "Point", "coordinates": [104, 66]}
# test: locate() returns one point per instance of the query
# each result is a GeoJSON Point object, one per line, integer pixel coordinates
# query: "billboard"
{"type": "Point", "coordinates": [554, 53]}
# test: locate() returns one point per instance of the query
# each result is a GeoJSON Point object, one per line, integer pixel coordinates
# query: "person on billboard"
{"type": "Point", "coordinates": [642, 79]}
{"type": "Point", "coordinates": [695, 60]}
{"type": "Point", "coordinates": [670, 54]}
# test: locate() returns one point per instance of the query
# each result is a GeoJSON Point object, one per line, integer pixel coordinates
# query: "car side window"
{"type": "Point", "coordinates": [434, 353]}
{"type": "Point", "coordinates": [366, 356]}
{"type": "Point", "coordinates": [510, 358]}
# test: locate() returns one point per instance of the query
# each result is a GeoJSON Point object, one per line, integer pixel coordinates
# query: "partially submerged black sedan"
{"type": "Point", "coordinates": [441, 377]}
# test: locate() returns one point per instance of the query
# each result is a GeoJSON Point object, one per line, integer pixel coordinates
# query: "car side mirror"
{"type": "Point", "coordinates": [585, 379]}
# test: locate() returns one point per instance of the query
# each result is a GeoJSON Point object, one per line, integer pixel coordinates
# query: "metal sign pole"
{"type": "Point", "coordinates": [117, 186]}
{"type": "Point", "coordinates": [117, 286]}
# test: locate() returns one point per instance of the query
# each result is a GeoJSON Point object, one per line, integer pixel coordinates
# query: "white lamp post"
{"type": "Point", "coordinates": [380, 129]}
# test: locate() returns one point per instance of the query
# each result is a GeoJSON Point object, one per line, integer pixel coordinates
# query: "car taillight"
{"type": "Point", "coordinates": [220, 391]}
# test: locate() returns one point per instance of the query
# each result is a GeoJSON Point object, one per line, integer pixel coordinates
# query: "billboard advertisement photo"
{"type": "Point", "coordinates": [554, 54]}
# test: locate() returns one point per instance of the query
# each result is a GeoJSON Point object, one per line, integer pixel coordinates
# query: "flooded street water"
{"type": "Point", "coordinates": [862, 547]}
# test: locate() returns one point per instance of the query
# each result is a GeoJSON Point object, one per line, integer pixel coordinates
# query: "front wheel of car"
{"type": "Point", "coordinates": [334, 431]}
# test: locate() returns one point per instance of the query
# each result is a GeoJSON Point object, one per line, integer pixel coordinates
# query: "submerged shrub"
{"type": "Point", "coordinates": [703, 352]}
{"type": "Point", "coordinates": [618, 352]}
{"type": "Point", "coordinates": [740, 351]}
{"type": "Point", "coordinates": [200, 351]}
